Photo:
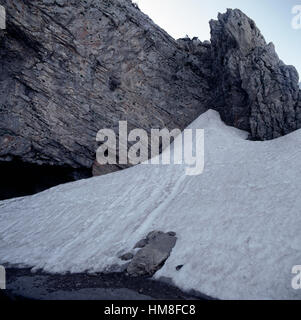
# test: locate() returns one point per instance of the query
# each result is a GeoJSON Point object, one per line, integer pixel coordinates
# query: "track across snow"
{"type": "Point", "coordinates": [238, 224]}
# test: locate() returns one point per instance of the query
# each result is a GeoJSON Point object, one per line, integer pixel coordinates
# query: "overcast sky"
{"type": "Point", "coordinates": [191, 17]}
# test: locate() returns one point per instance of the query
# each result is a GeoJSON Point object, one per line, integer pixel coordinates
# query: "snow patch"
{"type": "Point", "coordinates": [238, 224]}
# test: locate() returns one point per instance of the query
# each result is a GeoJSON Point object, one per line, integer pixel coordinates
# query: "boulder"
{"type": "Point", "coordinates": [152, 256]}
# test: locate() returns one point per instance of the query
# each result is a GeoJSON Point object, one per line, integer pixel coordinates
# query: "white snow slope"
{"type": "Point", "coordinates": [238, 224]}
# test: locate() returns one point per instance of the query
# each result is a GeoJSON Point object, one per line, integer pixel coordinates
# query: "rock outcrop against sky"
{"type": "Point", "coordinates": [255, 90]}
{"type": "Point", "coordinates": [71, 68]}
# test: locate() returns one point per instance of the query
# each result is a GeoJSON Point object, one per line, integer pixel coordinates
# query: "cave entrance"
{"type": "Point", "coordinates": [21, 179]}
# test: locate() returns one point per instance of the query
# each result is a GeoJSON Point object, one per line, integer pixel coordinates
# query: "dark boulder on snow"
{"type": "Point", "coordinates": [152, 256]}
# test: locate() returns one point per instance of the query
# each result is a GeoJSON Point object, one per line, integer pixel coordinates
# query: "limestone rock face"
{"type": "Point", "coordinates": [70, 68]}
{"type": "Point", "coordinates": [254, 89]}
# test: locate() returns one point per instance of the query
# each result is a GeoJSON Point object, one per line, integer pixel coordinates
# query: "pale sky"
{"type": "Point", "coordinates": [190, 17]}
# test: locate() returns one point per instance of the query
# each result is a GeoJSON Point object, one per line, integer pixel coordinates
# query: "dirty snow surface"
{"type": "Point", "coordinates": [238, 224]}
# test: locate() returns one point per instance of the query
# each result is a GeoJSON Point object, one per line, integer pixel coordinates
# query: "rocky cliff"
{"type": "Point", "coordinates": [70, 68]}
{"type": "Point", "coordinates": [254, 89]}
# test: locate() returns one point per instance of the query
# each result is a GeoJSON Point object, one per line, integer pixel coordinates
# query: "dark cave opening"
{"type": "Point", "coordinates": [21, 179]}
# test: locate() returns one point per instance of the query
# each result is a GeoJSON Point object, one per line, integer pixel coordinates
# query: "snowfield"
{"type": "Point", "coordinates": [238, 224]}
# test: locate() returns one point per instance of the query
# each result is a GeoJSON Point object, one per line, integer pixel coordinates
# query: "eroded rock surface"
{"type": "Point", "coordinates": [254, 89]}
{"type": "Point", "coordinates": [71, 68]}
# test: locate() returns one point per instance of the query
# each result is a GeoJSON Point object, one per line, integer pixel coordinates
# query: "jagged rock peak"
{"type": "Point", "coordinates": [236, 29]}
{"type": "Point", "coordinates": [254, 89]}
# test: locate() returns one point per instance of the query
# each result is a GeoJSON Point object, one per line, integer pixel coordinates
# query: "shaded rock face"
{"type": "Point", "coordinates": [70, 68]}
{"type": "Point", "coordinates": [254, 89]}
{"type": "Point", "coordinates": [155, 250]}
